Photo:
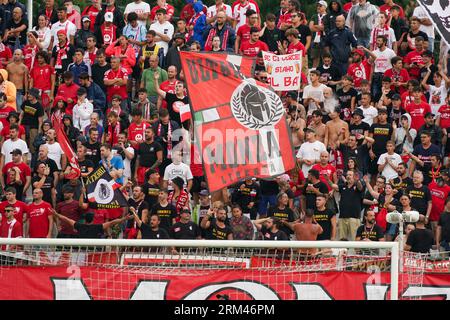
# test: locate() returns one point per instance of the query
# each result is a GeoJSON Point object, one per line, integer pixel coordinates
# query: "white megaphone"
{"type": "Point", "coordinates": [396, 217]}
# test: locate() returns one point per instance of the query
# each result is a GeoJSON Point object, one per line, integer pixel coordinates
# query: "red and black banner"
{"type": "Point", "coordinates": [103, 192]}
{"type": "Point", "coordinates": [70, 154]}
{"type": "Point", "coordinates": [239, 123]}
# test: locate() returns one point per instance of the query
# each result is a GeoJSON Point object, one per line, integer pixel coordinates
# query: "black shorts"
{"type": "Point", "coordinates": [197, 184]}
{"type": "Point", "coordinates": [373, 166]}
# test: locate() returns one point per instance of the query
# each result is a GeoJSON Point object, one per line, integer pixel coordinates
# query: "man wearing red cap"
{"type": "Point", "coordinates": [62, 55]}
{"type": "Point", "coordinates": [360, 68]}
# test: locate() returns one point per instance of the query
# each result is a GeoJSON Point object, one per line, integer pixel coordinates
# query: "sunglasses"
{"type": "Point", "coordinates": [9, 210]}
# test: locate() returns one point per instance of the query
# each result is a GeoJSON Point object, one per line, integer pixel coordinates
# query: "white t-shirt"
{"type": "Point", "coordinates": [389, 34]}
{"type": "Point", "coordinates": [68, 26]}
{"type": "Point", "coordinates": [437, 97]}
{"type": "Point", "coordinates": [369, 114]}
{"type": "Point", "coordinates": [313, 92]}
{"type": "Point", "coordinates": [126, 161]}
{"type": "Point", "coordinates": [165, 28]}
{"type": "Point", "coordinates": [310, 151]}
{"type": "Point", "coordinates": [212, 11]}
{"type": "Point", "coordinates": [181, 170]}
{"type": "Point", "coordinates": [10, 145]}
{"type": "Point", "coordinates": [383, 61]}
{"type": "Point", "coordinates": [139, 8]}
{"type": "Point", "coordinates": [388, 172]}
{"type": "Point", "coordinates": [421, 14]}
{"type": "Point", "coordinates": [55, 152]}
{"type": "Point", "coordinates": [239, 12]}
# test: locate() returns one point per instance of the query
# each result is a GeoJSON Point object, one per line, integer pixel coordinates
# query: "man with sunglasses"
{"type": "Point", "coordinates": [422, 153]}
{"type": "Point", "coordinates": [10, 227]}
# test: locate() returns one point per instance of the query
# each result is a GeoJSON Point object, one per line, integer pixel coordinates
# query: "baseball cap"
{"type": "Point", "coordinates": [382, 110]}
{"type": "Point", "coordinates": [427, 53]}
{"type": "Point", "coordinates": [179, 35]}
{"type": "Point", "coordinates": [292, 94]}
{"type": "Point", "coordinates": [85, 18]}
{"type": "Point", "coordinates": [358, 112]}
{"type": "Point", "coordinates": [359, 51]}
{"type": "Point", "coordinates": [204, 193]}
{"type": "Point", "coordinates": [67, 189]}
{"type": "Point", "coordinates": [186, 211]}
{"type": "Point", "coordinates": [62, 31]}
{"type": "Point", "coordinates": [16, 151]}
{"type": "Point", "coordinates": [322, 3]}
{"type": "Point", "coordinates": [109, 17]}
{"type": "Point", "coordinates": [429, 114]}
{"type": "Point", "coordinates": [396, 96]}
{"type": "Point", "coordinates": [308, 129]}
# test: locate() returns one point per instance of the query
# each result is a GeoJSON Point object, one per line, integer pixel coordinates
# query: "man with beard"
{"type": "Point", "coordinates": [420, 195]}
{"type": "Point", "coordinates": [151, 48]}
{"type": "Point", "coordinates": [93, 146]}
{"type": "Point", "coordinates": [166, 211]}
{"type": "Point", "coordinates": [359, 128]}
{"type": "Point", "coordinates": [152, 231]}
{"type": "Point", "coordinates": [168, 86]}
{"type": "Point", "coordinates": [402, 181]}
{"type": "Point", "coordinates": [326, 218]}
{"type": "Point", "coordinates": [221, 29]}
{"type": "Point", "coordinates": [40, 216]}
{"type": "Point", "coordinates": [360, 153]}
{"type": "Point", "coordinates": [369, 231]}
{"type": "Point", "coordinates": [137, 205]}
{"type": "Point", "coordinates": [382, 63]}
{"type": "Point", "coordinates": [62, 56]}
{"type": "Point", "coordinates": [185, 228]}
{"type": "Point", "coordinates": [216, 227]}
{"type": "Point", "coordinates": [70, 209]}
{"type": "Point", "coordinates": [173, 54]}
{"type": "Point", "coordinates": [149, 155]}
{"type": "Point", "coordinates": [18, 74]}
{"type": "Point", "coordinates": [247, 196]}
{"type": "Point", "coordinates": [151, 187]}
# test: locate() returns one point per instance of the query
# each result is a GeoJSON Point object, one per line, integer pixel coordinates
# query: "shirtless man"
{"type": "Point", "coordinates": [318, 125]}
{"type": "Point", "coordinates": [336, 130]}
{"type": "Point", "coordinates": [307, 231]}
{"type": "Point", "coordinates": [18, 74]}
{"type": "Point", "coordinates": [297, 124]}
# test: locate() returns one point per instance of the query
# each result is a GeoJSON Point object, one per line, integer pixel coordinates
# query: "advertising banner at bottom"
{"type": "Point", "coordinates": [125, 283]}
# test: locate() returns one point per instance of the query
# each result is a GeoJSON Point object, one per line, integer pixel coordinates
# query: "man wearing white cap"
{"type": "Point", "coordinates": [317, 27]}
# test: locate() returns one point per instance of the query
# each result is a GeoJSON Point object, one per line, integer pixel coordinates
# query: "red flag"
{"type": "Point", "coordinates": [239, 123]}
{"type": "Point", "coordinates": [71, 156]}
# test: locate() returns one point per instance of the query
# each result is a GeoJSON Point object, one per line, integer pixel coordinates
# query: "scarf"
{"type": "Point", "coordinates": [192, 22]}
{"type": "Point", "coordinates": [61, 54]}
{"type": "Point", "coordinates": [169, 138]}
{"type": "Point", "coordinates": [180, 202]}
{"type": "Point", "coordinates": [90, 57]}
{"type": "Point", "coordinates": [57, 118]}
{"type": "Point", "coordinates": [383, 31]}
{"type": "Point", "coordinates": [146, 108]}
{"type": "Point", "coordinates": [212, 33]}
{"type": "Point", "coordinates": [109, 34]}
{"type": "Point", "coordinates": [114, 133]}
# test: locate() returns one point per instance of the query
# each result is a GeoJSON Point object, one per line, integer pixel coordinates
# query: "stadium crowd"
{"type": "Point", "coordinates": [369, 124]}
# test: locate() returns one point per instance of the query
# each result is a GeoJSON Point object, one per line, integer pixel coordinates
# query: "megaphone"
{"type": "Point", "coordinates": [394, 217]}
{"type": "Point", "coordinates": [410, 216]}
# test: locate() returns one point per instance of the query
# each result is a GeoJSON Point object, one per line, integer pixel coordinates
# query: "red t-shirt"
{"type": "Point", "coordinates": [12, 229]}
{"type": "Point", "coordinates": [70, 210]}
{"type": "Point", "coordinates": [5, 56]}
{"type": "Point", "coordinates": [438, 197]}
{"type": "Point", "coordinates": [444, 112]}
{"type": "Point", "coordinates": [285, 18]}
{"type": "Point", "coordinates": [414, 57]}
{"type": "Point", "coordinates": [169, 9]}
{"type": "Point", "coordinates": [39, 223]}
{"type": "Point", "coordinates": [168, 87]}
{"type": "Point", "coordinates": [296, 48]}
{"type": "Point", "coordinates": [417, 112]}
{"type": "Point", "coordinates": [244, 32]}
{"type": "Point", "coordinates": [137, 132]}
{"type": "Point", "coordinates": [328, 169]}
{"type": "Point", "coordinates": [68, 92]}
{"type": "Point", "coordinates": [108, 34]}
{"type": "Point", "coordinates": [359, 72]}
{"type": "Point", "coordinates": [41, 76]}
{"type": "Point", "coordinates": [121, 73]}
{"type": "Point", "coordinates": [252, 49]}
{"type": "Point", "coordinates": [4, 113]}
{"type": "Point", "coordinates": [5, 131]}
{"type": "Point", "coordinates": [20, 208]}
{"type": "Point", "coordinates": [402, 76]}
{"type": "Point", "coordinates": [25, 171]}
{"type": "Point", "coordinates": [407, 99]}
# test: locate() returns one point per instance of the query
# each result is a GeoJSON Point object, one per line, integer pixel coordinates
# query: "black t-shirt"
{"type": "Point", "coordinates": [400, 185]}
{"type": "Point", "coordinates": [11, 41]}
{"type": "Point", "coordinates": [356, 129]}
{"type": "Point", "coordinates": [419, 198]}
{"type": "Point", "coordinates": [420, 240]}
{"type": "Point", "coordinates": [444, 222]}
{"type": "Point", "coordinates": [51, 164]}
{"type": "Point", "coordinates": [172, 98]}
{"type": "Point", "coordinates": [46, 187]}
{"type": "Point", "coordinates": [217, 233]}
{"type": "Point", "coordinates": [89, 231]}
{"type": "Point", "coordinates": [345, 97]}
{"type": "Point", "coordinates": [270, 37]}
{"type": "Point", "coordinates": [269, 235]}
{"type": "Point", "coordinates": [424, 71]}
{"type": "Point", "coordinates": [166, 214]}
{"type": "Point", "coordinates": [139, 206]}
{"type": "Point", "coordinates": [377, 97]}
{"type": "Point", "coordinates": [425, 155]}
{"type": "Point", "coordinates": [331, 73]}
{"type": "Point", "coordinates": [93, 152]}
{"type": "Point", "coordinates": [151, 192]}
{"type": "Point", "coordinates": [147, 153]}
{"type": "Point", "coordinates": [323, 218]}
{"type": "Point", "coordinates": [303, 33]}
{"type": "Point", "coordinates": [98, 75]}
{"type": "Point", "coordinates": [374, 233]}
{"type": "Point", "coordinates": [31, 114]}
{"type": "Point", "coordinates": [382, 133]}
{"type": "Point", "coordinates": [269, 188]}
{"type": "Point", "coordinates": [188, 231]}
{"type": "Point", "coordinates": [311, 196]}
{"type": "Point", "coordinates": [66, 59]}
{"type": "Point", "coordinates": [283, 214]}
{"type": "Point", "coordinates": [351, 201]}
{"type": "Point", "coordinates": [148, 233]}
{"type": "Point", "coordinates": [360, 153]}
